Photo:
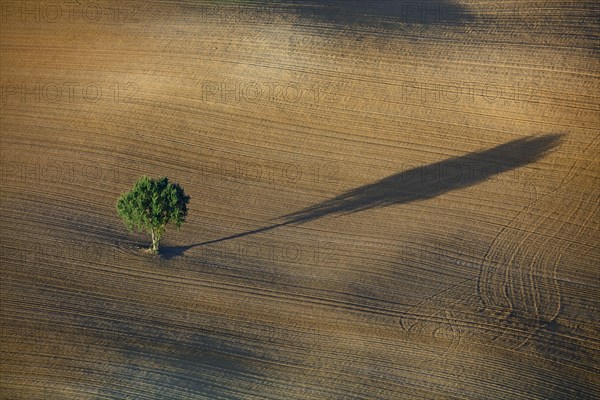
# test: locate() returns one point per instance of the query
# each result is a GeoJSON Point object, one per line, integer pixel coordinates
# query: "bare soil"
{"type": "Point", "coordinates": [389, 200]}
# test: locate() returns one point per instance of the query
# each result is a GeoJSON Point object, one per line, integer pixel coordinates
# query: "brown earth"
{"type": "Point", "coordinates": [407, 194]}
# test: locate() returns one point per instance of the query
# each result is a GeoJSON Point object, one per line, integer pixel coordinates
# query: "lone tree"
{"type": "Point", "coordinates": [151, 205]}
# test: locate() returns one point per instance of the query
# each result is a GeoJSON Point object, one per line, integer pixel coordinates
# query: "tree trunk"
{"type": "Point", "coordinates": [154, 248]}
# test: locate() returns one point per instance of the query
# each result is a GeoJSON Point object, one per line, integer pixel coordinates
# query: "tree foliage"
{"type": "Point", "coordinates": [151, 205]}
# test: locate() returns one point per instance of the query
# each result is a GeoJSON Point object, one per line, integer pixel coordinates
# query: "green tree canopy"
{"type": "Point", "coordinates": [151, 205]}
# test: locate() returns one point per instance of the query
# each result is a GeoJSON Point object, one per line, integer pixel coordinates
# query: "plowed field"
{"type": "Point", "coordinates": [389, 200]}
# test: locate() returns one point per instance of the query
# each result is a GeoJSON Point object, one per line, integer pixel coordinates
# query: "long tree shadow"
{"type": "Point", "coordinates": [387, 14]}
{"type": "Point", "coordinates": [344, 15]}
{"type": "Point", "coordinates": [415, 184]}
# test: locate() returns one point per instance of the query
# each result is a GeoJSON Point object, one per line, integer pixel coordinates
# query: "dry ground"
{"type": "Point", "coordinates": [433, 265]}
